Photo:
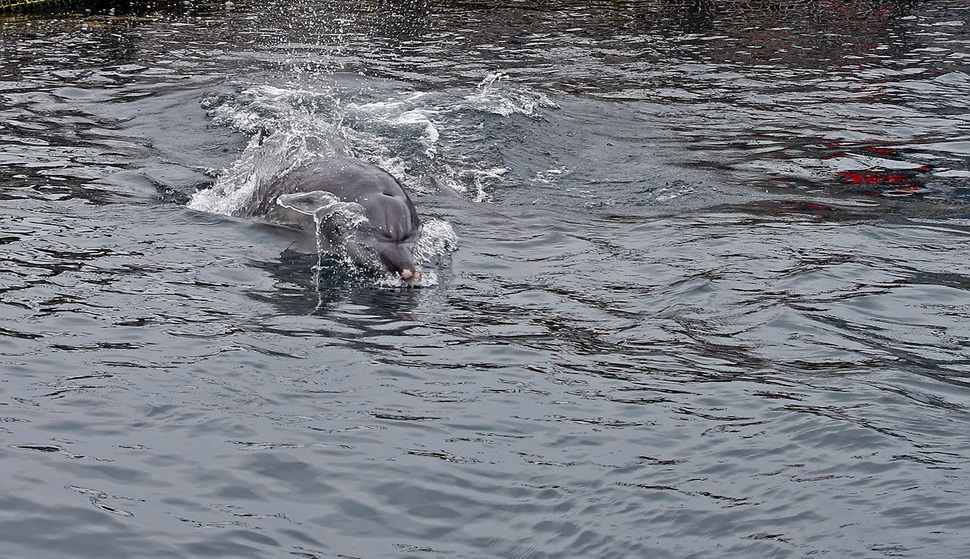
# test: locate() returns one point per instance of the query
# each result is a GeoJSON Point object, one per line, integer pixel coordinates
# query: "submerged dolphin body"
{"type": "Point", "coordinates": [320, 194]}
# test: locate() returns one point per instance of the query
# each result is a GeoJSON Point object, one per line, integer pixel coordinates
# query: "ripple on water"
{"type": "Point", "coordinates": [714, 305]}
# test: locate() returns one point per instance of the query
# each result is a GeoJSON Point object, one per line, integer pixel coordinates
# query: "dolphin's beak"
{"type": "Point", "coordinates": [397, 258]}
{"type": "Point", "coordinates": [411, 274]}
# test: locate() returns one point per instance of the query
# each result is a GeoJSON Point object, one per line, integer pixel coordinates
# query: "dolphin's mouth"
{"type": "Point", "coordinates": [411, 275]}
{"type": "Point", "coordinates": [389, 256]}
{"type": "Point", "coordinates": [397, 258]}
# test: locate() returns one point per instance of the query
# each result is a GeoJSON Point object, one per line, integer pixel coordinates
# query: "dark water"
{"type": "Point", "coordinates": [709, 295]}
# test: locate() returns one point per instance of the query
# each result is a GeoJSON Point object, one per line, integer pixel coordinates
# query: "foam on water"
{"type": "Point", "coordinates": [438, 238]}
{"type": "Point", "coordinates": [508, 100]}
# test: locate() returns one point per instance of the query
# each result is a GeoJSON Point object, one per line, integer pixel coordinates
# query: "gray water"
{"type": "Point", "coordinates": [706, 293]}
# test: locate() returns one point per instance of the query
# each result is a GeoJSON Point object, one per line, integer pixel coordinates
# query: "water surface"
{"type": "Point", "coordinates": [708, 296]}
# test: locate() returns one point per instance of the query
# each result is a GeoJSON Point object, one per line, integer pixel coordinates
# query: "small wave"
{"type": "Point", "coordinates": [255, 108]}
{"type": "Point", "coordinates": [407, 133]}
{"type": "Point", "coordinates": [506, 100]}
{"type": "Point", "coordinates": [409, 120]}
{"type": "Point", "coordinates": [477, 179]}
{"type": "Point", "coordinates": [550, 176]}
{"type": "Point", "coordinates": [287, 128]}
{"type": "Point", "coordinates": [260, 162]}
{"type": "Point", "coordinates": [421, 121]}
{"type": "Point", "coordinates": [437, 239]}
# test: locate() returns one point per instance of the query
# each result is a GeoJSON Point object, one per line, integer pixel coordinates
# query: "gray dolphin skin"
{"type": "Point", "coordinates": [391, 223]}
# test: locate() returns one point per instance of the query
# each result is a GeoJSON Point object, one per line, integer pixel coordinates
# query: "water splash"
{"type": "Point", "coordinates": [437, 239]}
{"type": "Point", "coordinates": [328, 212]}
{"type": "Point", "coordinates": [325, 209]}
{"type": "Point", "coordinates": [411, 116]}
{"type": "Point", "coordinates": [259, 164]}
{"type": "Point", "coordinates": [287, 129]}
{"type": "Point", "coordinates": [505, 100]}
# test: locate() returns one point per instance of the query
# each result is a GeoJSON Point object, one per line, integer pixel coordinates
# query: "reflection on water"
{"type": "Point", "coordinates": [708, 292]}
{"type": "Point", "coordinates": [311, 285]}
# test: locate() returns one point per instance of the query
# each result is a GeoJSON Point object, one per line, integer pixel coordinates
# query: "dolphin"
{"type": "Point", "coordinates": [355, 205]}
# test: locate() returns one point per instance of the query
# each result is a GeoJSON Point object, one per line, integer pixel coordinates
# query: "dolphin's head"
{"type": "Point", "coordinates": [359, 208]}
{"type": "Point", "coordinates": [389, 233]}
{"type": "Point", "coordinates": [368, 247]}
